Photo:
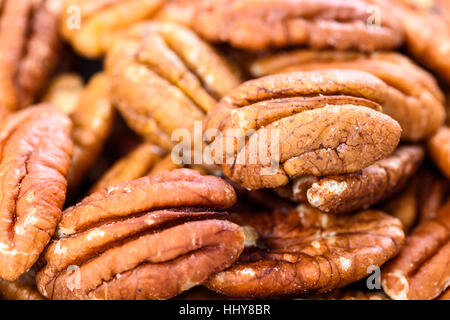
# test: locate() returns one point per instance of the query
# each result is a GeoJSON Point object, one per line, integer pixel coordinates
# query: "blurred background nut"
{"type": "Point", "coordinates": [93, 26]}
{"type": "Point", "coordinates": [413, 97]}
{"type": "Point", "coordinates": [422, 268]}
{"type": "Point", "coordinates": [23, 288]}
{"type": "Point", "coordinates": [36, 152]}
{"type": "Point", "coordinates": [164, 77]}
{"type": "Point", "coordinates": [261, 24]}
{"type": "Point", "coordinates": [150, 238]}
{"type": "Point", "coordinates": [136, 164]}
{"type": "Point", "coordinates": [426, 26]}
{"type": "Point", "coordinates": [64, 92]}
{"type": "Point", "coordinates": [92, 120]}
{"type": "Point", "coordinates": [439, 149]}
{"type": "Point", "coordinates": [311, 123]}
{"type": "Point", "coordinates": [28, 52]}
{"type": "Point", "coordinates": [303, 251]}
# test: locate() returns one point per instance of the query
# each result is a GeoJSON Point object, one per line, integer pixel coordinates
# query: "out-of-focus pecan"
{"type": "Point", "coordinates": [64, 92]}
{"type": "Point", "coordinates": [137, 164]}
{"type": "Point", "coordinates": [92, 119]}
{"type": "Point", "coordinates": [176, 75]}
{"type": "Point", "coordinates": [29, 47]}
{"type": "Point", "coordinates": [362, 189]}
{"type": "Point", "coordinates": [439, 148]}
{"type": "Point", "coordinates": [150, 238]}
{"type": "Point", "coordinates": [260, 24]}
{"type": "Point", "coordinates": [422, 268]}
{"type": "Point", "coordinates": [426, 26]}
{"type": "Point", "coordinates": [35, 157]}
{"type": "Point", "coordinates": [311, 123]}
{"type": "Point", "coordinates": [305, 251]}
{"type": "Point", "coordinates": [413, 97]}
{"type": "Point", "coordinates": [23, 288]}
{"type": "Point", "coordinates": [92, 26]}
{"type": "Point", "coordinates": [177, 11]}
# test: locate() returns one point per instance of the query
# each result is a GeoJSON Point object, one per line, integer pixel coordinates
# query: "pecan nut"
{"type": "Point", "coordinates": [413, 97]}
{"type": "Point", "coordinates": [177, 76]}
{"type": "Point", "coordinates": [93, 26]}
{"type": "Point", "coordinates": [64, 92]}
{"type": "Point", "coordinates": [140, 162]}
{"type": "Point", "coordinates": [422, 268]}
{"type": "Point", "coordinates": [439, 149]}
{"type": "Point", "coordinates": [315, 123]}
{"type": "Point", "coordinates": [29, 53]}
{"type": "Point", "coordinates": [23, 288]}
{"type": "Point", "coordinates": [305, 251]}
{"type": "Point", "coordinates": [362, 189]}
{"type": "Point", "coordinates": [93, 120]}
{"type": "Point", "coordinates": [426, 26]}
{"type": "Point", "coordinates": [260, 24]}
{"type": "Point", "coordinates": [149, 238]}
{"type": "Point", "coordinates": [35, 157]}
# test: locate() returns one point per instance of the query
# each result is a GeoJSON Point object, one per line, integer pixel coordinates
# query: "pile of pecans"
{"type": "Point", "coordinates": [213, 149]}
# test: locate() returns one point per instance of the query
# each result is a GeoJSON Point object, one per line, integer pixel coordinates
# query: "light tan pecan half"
{"type": "Point", "coordinates": [35, 156]}
{"type": "Point", "coordinates": [304, 251]}
{"type": "Point", "coordinates": [261, 24]}
{"type": "Point", "coordinates": [439, 149]}
{"type": "Point", "coordinates": [176, 76]}
{"type": "Point", "coordinates": [138, 163]}
{"type": "Point", "coordinates": [23, 288]}
{"type": "Point", "coordinates": [93, 120]}
{"type": "Point", "coordinates": [308, 123]}
{"type": "Point", "coordinates": [422, 268]}
{"type": "Point", "coordinates": [92, 26]}
{"type": "Point", "coordinates": [150, 238]}
{"type": "Point", "coordinates": [413, 97]}
{"type": "Point", "coordinates": [64, 92]}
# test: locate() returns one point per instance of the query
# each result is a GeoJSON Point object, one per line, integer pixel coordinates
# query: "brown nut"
{"type": "Point", "coordinates": [150, 238]}
{"type": "Point", "coordinates": [23, 288]}
{"type": "Point", "coordinates": [29, 47]}
{"type": "Point", "coordinates": [137, 164]}
{"type": "Point", "coordinates": [432, 194]}
{"type": "Point", "coordinates": [35, 157]}
{"type": "Point", "coordinates": [177, 76]}
{"type": "Point", "coordinates": [64, 92]}
{"type": "Point", "coordinates": [93, 120]}
{"type": "Point", "coordinates": [260, 24]}
{"type": "Point", "coordinates": [362, 189]}
{"type": "Point", "coordinates": [315, 123]}
{"type": "Point", "coordinates": [439, 149]}
{"type": "Point", "coordinates": [413, 97]}
{"type": "Point", "coordinates": [422, 268]}
{"type": "Point", "coordinates": [305, 251]}
{"type": "Point", "coordinates": [93, 26]}
{"type": "Point", "coordinates": [426, 26]}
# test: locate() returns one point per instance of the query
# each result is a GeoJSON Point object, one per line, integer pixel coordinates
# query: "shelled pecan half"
{"type": "Point", "coordinates": [317, 123]}
{"type": "Point", "coordinates": [150, 238]}
{"type": "Point", "coordinates": [261, 24]}
{"type": "Point", "coordinates": [413, 97]}
{"type": "Point", "coordinates": [29, 49]}
{"type": "Point", "coordinates": [93, 26]}
{"type": "Point", "coordinates": [422, 268]}
{"type": "Point", "coordinates": [439, 149]}
{"type": "Point", "coordinates": [35, 156]}
{"type": "Point", "coordinates": [64, 92]}
{"type": "Point", "coordinates": [304, 251]}
{"type": "Point", "coordinates": [176, 76]}
{"type": "Point", "coordinates": [93, 120]}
